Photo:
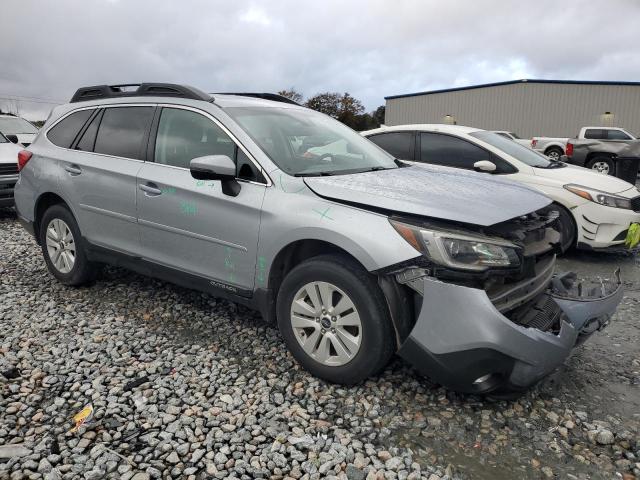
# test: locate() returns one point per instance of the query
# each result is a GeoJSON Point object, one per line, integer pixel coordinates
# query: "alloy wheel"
{"type": "Point", "coordinates": [326, 323]}
{"type": "Point", "coordinates": [61, 245]}
{"type": "Point", "coordinates": [601, 167]}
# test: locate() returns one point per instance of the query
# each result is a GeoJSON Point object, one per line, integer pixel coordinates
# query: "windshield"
{"type": "Point", "coordinates": [304, 142]}
{"type": "Point", "coordinates": [3, 139]}
{"type": "Point", "coordinates": [519, 152]}
{"type": "Point", "coordinates": [16, 125]}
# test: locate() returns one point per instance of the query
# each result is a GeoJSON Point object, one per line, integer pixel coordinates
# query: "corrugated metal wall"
{"type": "Point", "coordinates": [529, 109]}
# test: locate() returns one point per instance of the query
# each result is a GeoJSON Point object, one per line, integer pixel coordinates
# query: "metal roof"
{"type": "Point", "coordinates": [513, 82]}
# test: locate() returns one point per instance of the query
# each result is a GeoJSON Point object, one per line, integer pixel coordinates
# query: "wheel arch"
{"type": "Point", "coordinates": [554, 146]}
{"type": "Point", "coordinates": [397, 301]}
{"type": "Point", "coordinates": [42, 204]}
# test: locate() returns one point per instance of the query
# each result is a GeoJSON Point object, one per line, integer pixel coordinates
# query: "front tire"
{"type": "Point", "coordinates": [63, 247]}
{"type": "Point", "coordinates": [334, 320]}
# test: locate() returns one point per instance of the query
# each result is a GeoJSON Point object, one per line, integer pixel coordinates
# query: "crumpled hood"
{"type": "Point", "coordinates": [434, 191]}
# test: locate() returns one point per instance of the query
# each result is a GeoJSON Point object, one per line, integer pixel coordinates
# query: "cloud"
{"type": "Point", "coordinates": [367, 48]}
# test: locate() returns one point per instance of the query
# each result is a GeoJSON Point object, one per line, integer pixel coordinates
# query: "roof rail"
{"type": "Point", "coordinates": [265, 96]}
{"type": "Point", "coordinates": [143, 89]}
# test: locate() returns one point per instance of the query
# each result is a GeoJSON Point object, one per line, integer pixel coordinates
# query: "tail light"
{"type": "Point", "coordinates": [534, 142]}
{"type": "Point", "coordinates": [569, 150]}
{"type": "Point", "coordinates": [23, 157]}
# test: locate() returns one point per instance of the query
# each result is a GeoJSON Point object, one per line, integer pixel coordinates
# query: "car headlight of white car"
{"type": "Point", "coordinates": [459, 250]}
{"type": "Point", "coordinates": [600, 197]}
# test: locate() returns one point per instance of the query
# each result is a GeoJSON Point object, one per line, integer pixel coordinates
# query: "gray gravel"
{"type": "Point", "coordinates": [218, 396]}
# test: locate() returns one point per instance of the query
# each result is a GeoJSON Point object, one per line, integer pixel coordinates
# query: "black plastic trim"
{"type": "Point", "coordinates": [97, 92]}
{"type": "Point", "coordinates": [101, 254]}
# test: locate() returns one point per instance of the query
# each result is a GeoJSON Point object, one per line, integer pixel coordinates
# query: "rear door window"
{"type": "Point", "coordinates": [123, 130]}
{"type": "Point", "coordinates": [65, 131]}
{"type": "Point", "coordinates": [595, 134]}
{"type": "Point", "coordinates": [398, 144]}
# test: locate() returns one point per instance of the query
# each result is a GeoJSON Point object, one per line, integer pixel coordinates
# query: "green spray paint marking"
{"type": "Point", "coordinates": [229, 265]}
{"type": "Point", "coordinates": [283, 189]}
{"type": "Point", "coordinates": [262, 265]}
{"type": "Point", "coordinates": [323, 214]}
{"type": "Point", "coordinates": [203, 183]}
{"type": "Point", "coordinates": [188, 208]}
{"type": "Point", "coordinates": [168, 190]}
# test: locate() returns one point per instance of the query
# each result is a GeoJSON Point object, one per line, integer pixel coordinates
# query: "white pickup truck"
{"type": "Point", "coordinates": [554, 148]}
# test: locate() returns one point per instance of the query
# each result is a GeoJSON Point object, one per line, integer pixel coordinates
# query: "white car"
{"type": "Point", "coordinates": [596, 211]}
{"type": "Point", "coordinates": [18, 130]}
{"type": "Point", "coordinates": [8, 170]}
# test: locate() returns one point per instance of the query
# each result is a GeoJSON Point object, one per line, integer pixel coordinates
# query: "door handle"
{"type": "Point", "coordinates": [73, 170]}
{"type": "Point", "coordinates": [150, 190]}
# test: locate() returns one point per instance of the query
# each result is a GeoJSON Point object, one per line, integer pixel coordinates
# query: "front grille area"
{"type": "Point", "coordinates": [8, 168]}
{"type": "Point", "coordinates": [635, 204]}
{"type": "Point", "coordinates": [541, 313]}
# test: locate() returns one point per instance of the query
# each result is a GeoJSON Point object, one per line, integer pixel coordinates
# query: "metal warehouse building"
{"type": "Point", "coordinates": [529, 108]}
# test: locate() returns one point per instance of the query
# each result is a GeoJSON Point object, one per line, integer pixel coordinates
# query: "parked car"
{"type": "Point", "coordinates": [595, 211]}
{"type": "Point", "coordinates": [8, 170]}
{"type": "Point", "coordinates": [17, 130]}
{"type": "Point", "coordinates": [555, 147]}
{"type": "Point", "coordinates": [603, 156]}
{"type": "Point", "coordinates": [355, 256]}
{"type": "Point", "coordinates": [512, 136]}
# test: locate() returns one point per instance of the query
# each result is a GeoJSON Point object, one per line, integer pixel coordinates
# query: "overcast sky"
{"type": "Point", "coordinates": [370, 49]}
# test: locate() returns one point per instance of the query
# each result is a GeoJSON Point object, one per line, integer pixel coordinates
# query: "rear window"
{"type": "Point", "coordinates": [122, 131]}
{"type": "Point", "coordinates": [65, 131]}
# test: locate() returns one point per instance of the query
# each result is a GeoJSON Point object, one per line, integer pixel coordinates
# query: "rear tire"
{"type": "Point", "coordinates": [354, 337]}
{"type": "Point", "coordinates": [601, 165]}
{"type": "Point", "coordinates": [554, 153]}
{"type": "Point", "coordinates": [63, 247]}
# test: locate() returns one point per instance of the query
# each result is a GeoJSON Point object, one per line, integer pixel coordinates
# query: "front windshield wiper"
{"type": "Point", "coordinates": [315, 174]}
{"type": "Point", "coordinates": [341, 172]}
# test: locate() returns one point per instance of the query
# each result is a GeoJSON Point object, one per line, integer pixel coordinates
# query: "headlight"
{"type": "Point", "coordinates": [459, 250]}
{"type": "Point", "coordinates": [597, 196]}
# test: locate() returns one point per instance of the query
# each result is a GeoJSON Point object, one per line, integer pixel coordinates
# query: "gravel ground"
{"type": "Point", "coordinates": [218, 396]}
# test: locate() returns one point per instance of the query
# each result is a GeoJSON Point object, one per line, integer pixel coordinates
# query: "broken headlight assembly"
{"type": "Point", "coordinates": [459, 250]}
{"type": "Point", "coordinates": [602, 198]}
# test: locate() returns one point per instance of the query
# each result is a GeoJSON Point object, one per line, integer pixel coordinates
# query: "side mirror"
{"type": "Point", "coordinates": [485, 166]}
{"type": "Point", "coordinates": [216, 167]}
{"type": "Point", "coordinates": [12, 138]}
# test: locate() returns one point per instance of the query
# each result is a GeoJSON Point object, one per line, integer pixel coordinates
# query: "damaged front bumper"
{"type": "Point", "coordinates": [462, 341]}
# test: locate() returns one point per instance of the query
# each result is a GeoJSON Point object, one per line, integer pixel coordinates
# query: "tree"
{"type": "Point", "coordinates": [378, 115]}
{"type": "Point", "coordinates": [292, 94]}
{"type": "Point", "coordinates": [327, 103]}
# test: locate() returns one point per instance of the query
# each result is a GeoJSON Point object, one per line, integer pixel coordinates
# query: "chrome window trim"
{"type": "Point", "coordinates": [269, 182]}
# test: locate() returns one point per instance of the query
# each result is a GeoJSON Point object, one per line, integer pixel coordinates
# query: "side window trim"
{"type": "Point", "coordinates": [103, 108]}
{"type": "Point", "coordinates": [150, 152]}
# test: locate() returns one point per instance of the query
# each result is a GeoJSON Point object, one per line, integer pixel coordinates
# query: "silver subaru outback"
{"type": "Point", "coordinates": [354, 254]}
